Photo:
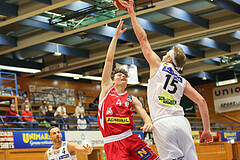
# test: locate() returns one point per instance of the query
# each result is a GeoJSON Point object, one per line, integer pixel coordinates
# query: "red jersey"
{"type": "Point", "coordinates": [115, 114]}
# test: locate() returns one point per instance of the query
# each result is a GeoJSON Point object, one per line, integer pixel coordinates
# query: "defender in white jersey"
{"type": "Point", "coordinates": [172, 131]}
{"type": "Point", "coordinates": [63, 150]}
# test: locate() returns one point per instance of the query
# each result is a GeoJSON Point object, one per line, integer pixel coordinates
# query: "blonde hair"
{"type": "Point", "coordinates": [118, 70]}
{"type": "Point", "coordinates": [180, 56]}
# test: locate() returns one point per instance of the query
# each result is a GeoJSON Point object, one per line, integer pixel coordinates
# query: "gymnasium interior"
{"type": "Point", "coordinates": [54, 51]}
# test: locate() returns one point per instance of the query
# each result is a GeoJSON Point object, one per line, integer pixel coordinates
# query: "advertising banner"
{"type": "Point", "coordinates": [93, 138]}
{"type": "Point", "coordinates": [230, 135]}
{"type": "Point", "coordinates": [33, 139]}
{"type": "Point", "coordinates": [6, 140]}
{"type": "Point", "coordinates": [196, 137]}
{"type": "Point", "coordinates": [226, 98]}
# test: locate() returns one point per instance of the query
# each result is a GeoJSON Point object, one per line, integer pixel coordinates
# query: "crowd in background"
{"type": "Point", "coordinates": [51, 116]}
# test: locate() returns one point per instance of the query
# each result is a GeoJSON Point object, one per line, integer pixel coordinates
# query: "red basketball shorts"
{"type": "Point", "coordinates": [130, 148]}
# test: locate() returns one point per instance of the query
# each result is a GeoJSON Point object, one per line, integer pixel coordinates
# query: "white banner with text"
{"type": "Point", "coordinates": [93, 138]}
{"type": "Point", "coordinates": [226, 98]}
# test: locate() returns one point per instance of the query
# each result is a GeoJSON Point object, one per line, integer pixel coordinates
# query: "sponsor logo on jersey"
{"type": "Point", "coordinates": [126, 104]}
{"type": "Point", "coordinates": [49, 153]}
{"type": "Point", "coordinates": [118, 120]}
{"type": "Point", "coordinates": [167, 99]}
{"type": "Point", "coordinates": [129, 98]}
{"type": "Point", "coordinates": [109, 111]}
{"type": "Point", "coordinates": [64, 156]}
{"type": "Point", "coordinates": [143, 153]}
{"type": "Point", "coordinates": [170, 71]}
{"type": "Point", "coordinates": [55, 152]}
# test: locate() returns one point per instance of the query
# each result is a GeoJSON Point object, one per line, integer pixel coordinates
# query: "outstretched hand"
{"type": "Point", "coordinates": [207, 137]}
{"type": "Point", "coordinates": [129, 6]}
{"type": "Point", "coordinates": [119, 29]}
{"type": "Point", "coordinates": [88, 149]}
{"type": "Point", "coordinates": [147, 127]}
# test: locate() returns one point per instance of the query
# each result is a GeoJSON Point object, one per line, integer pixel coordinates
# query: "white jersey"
{"type": "Point", "coordinates": [165, 89]}
{"type": "Point", "coordinates": [61, 153]}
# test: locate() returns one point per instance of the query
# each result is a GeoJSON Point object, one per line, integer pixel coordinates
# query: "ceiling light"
{"type": "Point", "coordinates": [19, 69]}
{"type": "Point", "coordinates": [57, 53]}
{"type": "Point", "coordinates": [76, 77]}
{"type": "Point", "coordinates": [204, 76]}
{"type": "Point", "coordinates": [72, 75]}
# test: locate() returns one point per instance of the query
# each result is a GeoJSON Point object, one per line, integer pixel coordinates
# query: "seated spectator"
{"type": "Point", "coordinates": [28, 119]}
{"type": "Point", "coordinates": [62, 112]}
{"type": "Point", "coordinates": [82, 123]}
{"type": "Point", "coordinates": [26, 102]}
{"type": "Point", "coordinates": [43, 108]}
{"type": "Point", "coordinates": [12, 112]}
{"type": "Point", "coordinates": [50, 113]}
{"type": "Point", "coordinates": [79, 110]}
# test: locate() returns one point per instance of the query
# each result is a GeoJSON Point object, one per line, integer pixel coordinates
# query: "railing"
{"type": "Point", "coordinates": [91, 123]}
{"type": "Point", "coordinates": [216, 126]}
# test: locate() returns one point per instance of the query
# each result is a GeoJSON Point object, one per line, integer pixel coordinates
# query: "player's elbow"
{"type": "Point", "coordinates": [202, 102]}
{"type": "Point", "coordinates": [142, 38]}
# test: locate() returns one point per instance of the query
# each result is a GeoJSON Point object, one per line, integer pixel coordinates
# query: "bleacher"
{"type": "Point", "coordinates": [91, 121]}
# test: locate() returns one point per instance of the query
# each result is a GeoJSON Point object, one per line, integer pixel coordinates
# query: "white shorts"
{"type": "Point", "coordinates": [173, 139]}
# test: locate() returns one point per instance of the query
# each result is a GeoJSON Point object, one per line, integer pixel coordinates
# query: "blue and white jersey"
{"type": "Point", "coordinates": [165, 89]}
{"type": "Point", "coordinates": [61, 153]}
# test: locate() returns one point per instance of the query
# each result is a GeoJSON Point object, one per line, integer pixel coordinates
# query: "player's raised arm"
{"type": "Point", "coordinates": [191, 93]}
{"type": "Point", "coordinates": [152, 58]}
{"type": "Point", "coordinates": [137, 106]}
{"type": "Point", "coordinates": [107, 70]}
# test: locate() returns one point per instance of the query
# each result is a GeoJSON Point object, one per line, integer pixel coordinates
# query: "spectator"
{"type": "Point", "coordinates": [79, 110]}
{"type": "Point", "coordinates": [26, 102]}
{"type": "Point", "coordinates": [12, 112]}
{"type": "Point", "coordinates": [82, 123]}
{"type": "Point", "coordinates": [28, 119]}
{"type": "Point", "coordinates": [43, 108]}
{"type": "Point", "coordinates": [50, 113]}
{"type": "Point", "coordinates": [62, 112]}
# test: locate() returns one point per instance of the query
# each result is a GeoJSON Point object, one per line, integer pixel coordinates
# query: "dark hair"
{"type": "Point", "coordinates": [49, 130]}
{"type": "Point", "coordinates": [118, 70]}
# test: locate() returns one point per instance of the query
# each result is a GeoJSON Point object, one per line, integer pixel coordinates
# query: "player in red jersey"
{"type": "Point", "coordinates": [115, 115]}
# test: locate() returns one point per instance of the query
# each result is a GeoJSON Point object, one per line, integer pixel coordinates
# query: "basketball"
{"type": "Point", "coordinates": [118, 4]}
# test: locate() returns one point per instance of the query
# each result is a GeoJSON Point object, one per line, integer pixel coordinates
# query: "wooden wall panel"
{"type": "Point", "coordinates": [2, 154]}
{"type": "Point", "coordinates": [26, 154]}
{"type": "Point", "coordinates": [90, 89]}
{"type": "Point", "coordinates": [214, 151]}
